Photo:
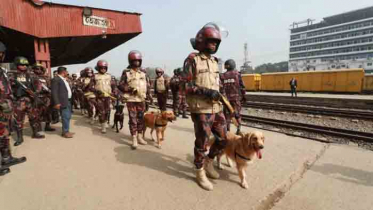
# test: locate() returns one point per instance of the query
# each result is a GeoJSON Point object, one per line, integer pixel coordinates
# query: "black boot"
{"type": "Point", "coordinates": [36, 134]}
{"type": "Point", "coordinates": [7, 158]}
{"type": "Point", "coordinates": [238, 129]}
{"type": "Point", "coordinates": [19, 140]}
{"type": "Point", "coordinates": [48, 127]}
{"type": "Point", "coordinates": [4, 171]}
{"type": "Point", "coordinates": [184, 115]}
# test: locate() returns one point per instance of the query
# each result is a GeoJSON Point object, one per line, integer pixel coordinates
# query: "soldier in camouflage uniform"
{"type": "Point", "coordinates": [234, 90]}
{"type": "Point", "coordinates": [182, 106]}
{"type": "Point", "coordinates": [201, 74]}
{"type": "Point", "coordinates": [161, 86]}
{"type": "Point", "coordinates": [101, 85]}
{"type": "Point", "coordinates": [80, 93]}
{"type": "Point", "coordinates": [135, 87]}
{"type": "Point", "coordinates": [27, 101]}
{"type": "Point", "coordinates": [55, 112]}
{"type": "Point", "coordinates": [75, 94]}
{"type": "Point", "coordinates": [89, 96]}
{"type": "Point", "coordinates": [42, 85]}
{"type": "Point", "coordinates": [174, 85]}
{"type": "Point", "coordinates": [6, 115]}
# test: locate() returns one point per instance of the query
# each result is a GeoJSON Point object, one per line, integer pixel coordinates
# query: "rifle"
{"type": "Point", "coordinates": [108, 95]}
{"type": "Point", "coordinates": [32, 94]}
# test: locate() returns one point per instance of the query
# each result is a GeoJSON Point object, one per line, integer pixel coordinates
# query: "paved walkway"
{"type": "Point", "coordinates": [100, 172]}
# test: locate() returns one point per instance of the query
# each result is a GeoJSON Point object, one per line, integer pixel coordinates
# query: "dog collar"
{"type": "Point", "coordinates": [158, 125]}
{"type": "Point", "coordinates": [240, 156]}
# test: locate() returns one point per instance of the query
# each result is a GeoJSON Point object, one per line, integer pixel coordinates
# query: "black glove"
{"type": "Point", "coordinates": [213, 94]}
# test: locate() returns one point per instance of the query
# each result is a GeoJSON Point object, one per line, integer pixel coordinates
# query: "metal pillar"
{"type": "Point", "coordinates": [42, 53]}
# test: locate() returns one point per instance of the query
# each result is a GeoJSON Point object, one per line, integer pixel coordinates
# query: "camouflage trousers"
{"type": "Point", "coordinates": [103, 108]}
{"type": "Point", "coordinates": [162, 101]}
{"type": "Point", "coordinates": [136, 117]}
{"type": "Point", "coordinates": [23, 106]}
{"type": "Point", "coordinates": [204, 126]}
{"type": "Point", "coordinates": [175, 102]}
{"type": "Point", "coordinates": [75, 100]}
{"type": "Point", "coordinates": [236, 104]}
{"type": "Point", "coordinates": [45, 110]}
{"type": "Point", "coordinates": [182, 103]}
{"type": "Point", "coordinates": [91, 104]}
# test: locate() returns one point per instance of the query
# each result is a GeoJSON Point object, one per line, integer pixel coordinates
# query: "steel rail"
{"type": "Point", "coordinates": [351, 134]}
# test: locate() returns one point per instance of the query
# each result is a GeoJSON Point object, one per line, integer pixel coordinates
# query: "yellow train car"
{"type": "Point", "coordinates": [368, 83]}
{"type": "Point", "coordinates": [251, 81]}
{"type": "Point", "coordinates": [341, 81]}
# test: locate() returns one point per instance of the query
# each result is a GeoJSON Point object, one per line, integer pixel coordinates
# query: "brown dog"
{"type": "Point", "coordinates": [158, 122]}
{"type": "Point", "coordinates": [242, 149]}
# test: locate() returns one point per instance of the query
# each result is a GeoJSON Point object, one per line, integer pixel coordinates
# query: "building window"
{"type": "Point", "coordinates": [369, 64]}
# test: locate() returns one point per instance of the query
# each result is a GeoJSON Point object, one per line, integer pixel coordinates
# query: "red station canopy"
{"type": "Point", "coordinates": [57, 34]}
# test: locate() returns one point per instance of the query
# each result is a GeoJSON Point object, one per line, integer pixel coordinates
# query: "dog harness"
{"type": "Point", "coordinates": [240, 156]}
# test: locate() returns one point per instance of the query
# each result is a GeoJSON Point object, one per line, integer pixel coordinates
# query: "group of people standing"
{"type": "Point", "coordinates": [198, 84]}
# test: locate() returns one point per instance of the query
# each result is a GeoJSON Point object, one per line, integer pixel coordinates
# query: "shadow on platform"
{"type": "Point", "coordinates": [352, 175]}
{"type": "Point", "coordinates": [169, 165]}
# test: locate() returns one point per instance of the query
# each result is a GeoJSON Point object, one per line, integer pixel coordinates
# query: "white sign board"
{"type": "Point", "coordinates": [99, 22]}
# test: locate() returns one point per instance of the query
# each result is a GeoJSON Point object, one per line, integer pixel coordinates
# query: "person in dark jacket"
{"type": "Point", "coordinates": [293, 86]}
{"type": "Point", "coordinates": [61, 99]}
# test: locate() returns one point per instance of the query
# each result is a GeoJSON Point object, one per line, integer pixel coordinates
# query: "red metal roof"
{"type": "Point", "coordinates": [58, 20]}
{"type": "Point", "coordinates": [71, 39]}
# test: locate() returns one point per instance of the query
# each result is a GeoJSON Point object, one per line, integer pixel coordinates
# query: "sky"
{"type": "Point", "coordinates": [168, 26]}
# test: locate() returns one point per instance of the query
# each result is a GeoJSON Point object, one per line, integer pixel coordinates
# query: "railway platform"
{"type": "Point", "coordinates": [96, 171]}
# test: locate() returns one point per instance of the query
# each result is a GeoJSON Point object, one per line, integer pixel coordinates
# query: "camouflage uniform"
{"type": "Point", "coordinates": [89, 96]}
{"type": "Point", "coordinates": [234, 89]}
{"type": "Point", "coordinates": [55, 112]}
{"type": "Point", "coordinates": [161, 86]}
{"type": "Point", "coordinates": [202, 76]}
{"type": "Point", "coordinates": [26, 103]}
{"type": "Point", "coordinates": [136, 90]}
{"type": "Point", "coordinates": [6, 115]}
{"type": "Point", "coordinates": [100, 84]}
{"type": "Point", "coordinates": [42, 85]}
{"type": "Point", "coordinates": [174, 85]}
{"type": "Point", "coordinates": [182, 106]}
{"type": "Point", "coordinates": [135, 102]}
{"type": "Point", "coordinates": [74, 89]}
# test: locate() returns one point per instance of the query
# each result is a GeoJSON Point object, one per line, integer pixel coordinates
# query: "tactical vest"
{"type": "Point", "coordinates": [136, 80]}
{"type": "Point", "coordinates": [206, 75]}
{"type": "Point", "coordinates": [88, 94]}
{"type": "Point", "coordinates": [24, 79]}
{"type": "Point", "coordinates": [5, 89]}
{"type": "Point", "coordinates": [231, 84]}
{"type": "Point", "coordinates": [160, 85]}
{"type": "Point", "coordinates": [103, 83]}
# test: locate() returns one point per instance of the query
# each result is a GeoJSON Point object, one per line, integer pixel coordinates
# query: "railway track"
{"type": "Point", "coordinates": [349, 134]}
{"type": "Point", "coordinates": [354, 114]}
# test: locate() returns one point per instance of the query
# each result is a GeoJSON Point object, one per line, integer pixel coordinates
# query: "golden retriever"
{"type": "Point", "coordinates": [158, 121]}
{"type": "Point", "coordinates": [242, 149]}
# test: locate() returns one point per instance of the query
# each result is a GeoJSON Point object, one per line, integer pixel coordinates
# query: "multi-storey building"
{"type": "Point", "coordinates": [338, 42]}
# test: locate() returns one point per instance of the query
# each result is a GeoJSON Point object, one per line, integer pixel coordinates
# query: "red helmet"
{"type": "Point", "coordinates": [88, 70]}
{"type": "Point", "coordinates": [102, 63]}
{"type": "Point", "coordinates": [207, 33]}
{"type": "Point", "coordinates": [159, 71]}
{"type": "Point", "coordinates": [133, 56]}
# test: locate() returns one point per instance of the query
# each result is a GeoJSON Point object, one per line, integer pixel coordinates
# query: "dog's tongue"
{"type": "Point", "coordinates": [259, 154]}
